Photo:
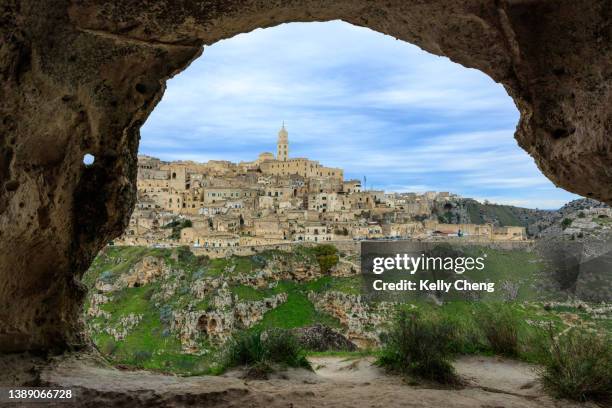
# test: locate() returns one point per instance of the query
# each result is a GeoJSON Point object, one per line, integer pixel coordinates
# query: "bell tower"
{"type": "Point", "coordinates": [282, 152]}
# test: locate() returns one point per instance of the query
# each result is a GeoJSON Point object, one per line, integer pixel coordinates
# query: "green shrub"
{"type": "Point", "coordinates": [467, 337]}
{"type": "Point", "coordinates": [258, 349]}
{"type": "Point", "coordinates": [177, 226]}
{"type": "Point", "coordinates": [324, 249]}
{"type": "Point", "coordinates": [566, 223]}
{"type": "Point", "coordinates": [500, 327]}
{"type": "Point", "coordinates": [420, 346]}
{"type": "Point", "coordinates": [283, 347]}
{"type": "Point", "coordinates": [578, 366]}
{"type": "Point", "coordinates": [327, 257]}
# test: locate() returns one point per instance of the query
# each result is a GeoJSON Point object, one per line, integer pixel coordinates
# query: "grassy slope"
{"type": "Point", "coordinates": [507, 215]}
{"type": "Point", "coordinates": [150, 344]}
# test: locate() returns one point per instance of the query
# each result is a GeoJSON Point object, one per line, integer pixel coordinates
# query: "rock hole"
{"type": "Point", "coordinates": [11, 185]}
{"type": "Point", "coordinates": [88, 159]}
{"type": "Point", "coordinates": [561, 133]}
{"type": "Point", "coordinates": [141, 88]}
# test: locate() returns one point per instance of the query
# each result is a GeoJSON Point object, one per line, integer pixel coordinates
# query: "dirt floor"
{"type": "Point", "coordinates": [336, 382]}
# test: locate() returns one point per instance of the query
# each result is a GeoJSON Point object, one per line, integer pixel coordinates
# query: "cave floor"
{"type": "Point", "coordinates": [335, 382]}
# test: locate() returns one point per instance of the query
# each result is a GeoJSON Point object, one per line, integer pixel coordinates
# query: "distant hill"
{"type": "Point", "coordinates": [467, 210]}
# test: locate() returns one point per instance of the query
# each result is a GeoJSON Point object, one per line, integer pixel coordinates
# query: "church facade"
{"type": "Point", "coordinates": [282, 165]}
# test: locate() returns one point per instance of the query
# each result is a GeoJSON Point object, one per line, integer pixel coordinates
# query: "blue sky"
{"type": "Point", "coordinates": [350, 98]}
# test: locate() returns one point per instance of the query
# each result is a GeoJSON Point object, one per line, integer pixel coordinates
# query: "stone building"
{"type": "Point", "coordinates": [277, 199]}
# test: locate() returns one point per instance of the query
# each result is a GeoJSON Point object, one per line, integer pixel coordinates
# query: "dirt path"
{"type": "Point", "coordinates": [335, 382]}
{"type": "Point", "coordinates": [339, 382]}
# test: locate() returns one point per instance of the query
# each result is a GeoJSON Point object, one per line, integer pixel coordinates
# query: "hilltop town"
{"type": "Point", "coordinates": [282, 199]}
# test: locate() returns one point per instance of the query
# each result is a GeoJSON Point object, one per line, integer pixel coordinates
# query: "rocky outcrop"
{"type": "Point", "coordinates": [124, 326]}
{"type": "Point", "coordinates": [94, 310]}
{"type": "Point", "coordinates": [82, 77]}
{"type": "Point", "coordinates": [219, 323]}
{"type": "Point", "coordinates": [551, 224]}
{"type": "Point", "coordinates": [323, 338]}
{"type": "Point", "coordinates": [345, 268]}
{"type": "Point", "coordinates": [364, 321]}
{"type": "Point", "coordinates": [147, 270]}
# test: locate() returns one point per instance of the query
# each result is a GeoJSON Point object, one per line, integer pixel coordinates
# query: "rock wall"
{"type": "Point", "coordinates": [81, 78]}
{"type": "Point", "coordinates": [364, 321]}
{"type": "Point", "coordinates": [218, 325]}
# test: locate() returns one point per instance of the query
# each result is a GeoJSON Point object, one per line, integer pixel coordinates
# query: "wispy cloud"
{"type": "Point", "coordinates": [351, 98]}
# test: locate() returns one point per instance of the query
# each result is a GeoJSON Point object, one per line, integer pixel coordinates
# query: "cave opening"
{"type": "Point", "coordinates": [392, 117]}
{"type": "Point", "coordinates": [83, 78]}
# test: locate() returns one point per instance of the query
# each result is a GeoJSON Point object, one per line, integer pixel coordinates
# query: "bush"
{"type": "Point", "coordinates": [578, 366]}
{"type": "Point", "coordinates": [259, 349]}
{"type": "Point", "coordinates": [500, 327]}
{"type": "Point", "coordinates": [421, 347]}
{"type": "Point", "coordinates": [327, 257]}
{"type": "Point", "coordinates": [177, 226]}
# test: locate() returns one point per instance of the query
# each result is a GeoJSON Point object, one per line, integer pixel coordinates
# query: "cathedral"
{"type": "Point", "coordinates": [282, 165]}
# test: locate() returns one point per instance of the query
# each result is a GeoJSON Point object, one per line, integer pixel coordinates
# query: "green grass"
{"type": "Point", "coordinates": [247, 293]}
{"type": "Point", "coordinates": [260, 349]}
{"type": "Point", "coordinates": [505, 214]}
{"type": "Point", "coordinates": [350, 285]}
{"type": "Point", "coordinates": [603, 221]}
{"type": "Point", "coordinates": [243, 264]}
{"type": "Point", "coordinates": [297, 311]}
{"type": "Point", "coordinates": [473, 331]}
{"type": "Point", "coordinates": [578, 366]}
{"type": "Point", "coordinates": [418, 345]}
{"type": "Point", "coordinates": [126, 301]}
{"type": "Point", "coordinates": [107, 262]}
{"type": "Point", "coordinates": [500, 326]}
{"type": "Point", "coordinates": [216, 267]}
{"type": "Point", "coordinates": [150, 345]}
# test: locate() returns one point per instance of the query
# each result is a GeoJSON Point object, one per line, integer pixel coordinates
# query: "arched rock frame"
{"type": "Point", "coordinates": [82, 76]}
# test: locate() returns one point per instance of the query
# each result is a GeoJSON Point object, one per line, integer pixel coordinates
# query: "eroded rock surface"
{"type": "Point", "coordinates": [81, 78]}
{"type": "Point", "coordinates": [323, 338]}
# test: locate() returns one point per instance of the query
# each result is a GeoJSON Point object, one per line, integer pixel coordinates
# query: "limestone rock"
{"type": "Point", "coordinates": [94, 306]}
{"type": "Point", "coordinates": [218, 324]}
{"type": "Point", "coordinates": [147, 270]}
{"type": "Point", "coordinates": [124, 326]}
{"type": "Point", "coordinates": [323, 338]}
{"type": "Point", "coordinates": [364, 321]}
